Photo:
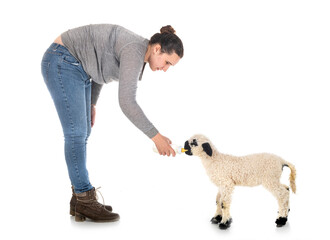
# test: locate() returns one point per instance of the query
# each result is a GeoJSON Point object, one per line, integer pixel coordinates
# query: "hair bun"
{"type": "Point", "coordinates": [167, 29]}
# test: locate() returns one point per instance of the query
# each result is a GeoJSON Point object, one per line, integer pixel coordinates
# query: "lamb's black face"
{"type": "Point", "coordinates": [197, 145]}
{"type": "Point", "coordinates": [188, 145]}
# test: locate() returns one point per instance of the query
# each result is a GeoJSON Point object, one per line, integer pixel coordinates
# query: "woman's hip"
{"type": "Point", "coordinates": [58, 62]}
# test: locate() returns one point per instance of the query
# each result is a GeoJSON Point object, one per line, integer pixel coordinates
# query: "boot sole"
{"type": "Point", "coordinates": [81, 218]}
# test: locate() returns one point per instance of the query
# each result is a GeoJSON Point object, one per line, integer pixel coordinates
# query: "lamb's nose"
{"type": "Point", "coordinates": [188, 148]}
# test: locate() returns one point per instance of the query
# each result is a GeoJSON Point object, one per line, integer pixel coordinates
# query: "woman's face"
{"type": "Point", "coordinates": [161, 61]}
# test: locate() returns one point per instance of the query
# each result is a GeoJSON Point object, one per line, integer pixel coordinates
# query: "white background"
{"type": "Point", "coordinates": [253, 79]}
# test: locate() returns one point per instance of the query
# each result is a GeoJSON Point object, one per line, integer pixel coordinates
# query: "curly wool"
{"type": "Point", "coordinates": [227, 171]}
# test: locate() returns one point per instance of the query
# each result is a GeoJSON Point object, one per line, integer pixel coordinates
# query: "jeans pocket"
{"type": "Point", "coordinates": [70, 60]}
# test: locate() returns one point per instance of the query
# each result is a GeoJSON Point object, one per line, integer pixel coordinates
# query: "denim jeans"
{"type": "Point", "coordinates": [70, 88]}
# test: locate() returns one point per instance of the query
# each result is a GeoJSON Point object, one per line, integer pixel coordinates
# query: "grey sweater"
{"type": "Point", "coordinates": [110, 52]}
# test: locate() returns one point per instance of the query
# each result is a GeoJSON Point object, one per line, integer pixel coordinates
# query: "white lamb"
{"type": "Point", "coordinates": [227, 171]}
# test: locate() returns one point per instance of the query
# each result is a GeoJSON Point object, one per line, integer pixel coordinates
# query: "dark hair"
{"type": "Point", "coordinates": [168, 41]}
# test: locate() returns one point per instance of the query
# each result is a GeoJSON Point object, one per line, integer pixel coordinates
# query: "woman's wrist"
{"type": "Point", "coordinates": [156, 137]}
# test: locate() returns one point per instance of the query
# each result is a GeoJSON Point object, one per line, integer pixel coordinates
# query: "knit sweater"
{"type": "Point", "coordinates": [112, 53]}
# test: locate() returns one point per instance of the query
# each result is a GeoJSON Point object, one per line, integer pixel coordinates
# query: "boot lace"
{"type": "Point", "coordinates": [94, 201]}
{"type": "Point", "coordinates": [96, 196]}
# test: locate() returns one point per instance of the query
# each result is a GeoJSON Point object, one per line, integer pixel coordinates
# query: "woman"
{"type": "Point", "coordinates": [75, 67]}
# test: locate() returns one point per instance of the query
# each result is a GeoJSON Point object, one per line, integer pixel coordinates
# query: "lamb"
{"type": "Point", "coordinates": [227, 171]}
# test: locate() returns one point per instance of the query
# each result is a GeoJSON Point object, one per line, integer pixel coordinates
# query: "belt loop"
{"type": "Point", "coordinates": [55, 48]}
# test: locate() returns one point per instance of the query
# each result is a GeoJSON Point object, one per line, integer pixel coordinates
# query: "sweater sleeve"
{"type": "Point", "coordinates": [130, 68]}
{"type": "Point", "coordinates": [96, 89]}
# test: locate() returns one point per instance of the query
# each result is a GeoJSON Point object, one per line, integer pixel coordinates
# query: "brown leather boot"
{"type": "Point", "coordinates": [87, 206]}
{"type": "Point", "coordinates": [73, 203]}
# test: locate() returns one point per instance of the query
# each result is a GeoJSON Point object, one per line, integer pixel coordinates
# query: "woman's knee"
{"type": "Point", "coordinates": [76, 137]}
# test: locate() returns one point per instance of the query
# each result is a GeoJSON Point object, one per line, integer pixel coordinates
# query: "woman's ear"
{"type": "Point", "coordinates": [157, 49]}
{"type": "Point", "coordinates": [207, 148]}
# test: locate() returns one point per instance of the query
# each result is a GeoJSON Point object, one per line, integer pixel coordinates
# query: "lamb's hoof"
{"type": "Point", "coordinates": [225, 225]}
{"type": "Point", "coordinates": [216, 219]}
{"type": "Point", "coordinates": [281, 221]}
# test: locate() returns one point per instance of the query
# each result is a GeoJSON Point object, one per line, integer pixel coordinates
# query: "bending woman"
{"type": "Point", "coordinates": [75, 67]}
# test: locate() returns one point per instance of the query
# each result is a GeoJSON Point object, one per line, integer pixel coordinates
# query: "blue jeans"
{"type": "Point", "coordinates": [70, 88]}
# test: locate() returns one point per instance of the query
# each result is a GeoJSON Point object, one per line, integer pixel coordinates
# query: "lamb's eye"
{"type": "Point", "coordinates": [194, 143]}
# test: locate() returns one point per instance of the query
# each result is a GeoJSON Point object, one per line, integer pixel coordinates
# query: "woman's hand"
{"type": "Point", "coordinates": [163, 145]}
{"type": "Point", "coordinates": [93, 113]}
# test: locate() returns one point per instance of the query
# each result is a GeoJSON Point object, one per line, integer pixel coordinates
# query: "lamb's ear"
{"type": "Point", "coordinates": [207, 148]}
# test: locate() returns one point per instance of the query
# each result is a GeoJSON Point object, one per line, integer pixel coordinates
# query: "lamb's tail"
{"type": "Point", "coordinates": [292, 175]}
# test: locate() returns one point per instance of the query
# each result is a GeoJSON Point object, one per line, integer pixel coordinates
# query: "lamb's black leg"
{"type": "Point", "coordinates": [281, 221]}
{"type": "Point", "coordinates": [216, 219]}
{"type": "Point", "coordinates": [225, 225]}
